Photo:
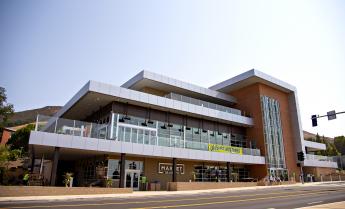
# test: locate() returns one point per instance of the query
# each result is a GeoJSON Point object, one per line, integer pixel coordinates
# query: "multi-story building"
{"type": "Point", "coordinates": [243, 129]}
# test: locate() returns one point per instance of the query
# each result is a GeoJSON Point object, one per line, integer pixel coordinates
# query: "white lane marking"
{"type": "Point", "coordinates": [314, 202]}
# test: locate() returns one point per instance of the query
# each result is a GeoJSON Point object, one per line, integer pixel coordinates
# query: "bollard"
{"type": "Point", "coordinates": [331, 177]}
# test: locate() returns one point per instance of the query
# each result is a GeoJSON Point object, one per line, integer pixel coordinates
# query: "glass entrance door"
{"type": "Point", "coordinates": [279, 173]}
{"type": "Point", "coordinates": [132, 179]}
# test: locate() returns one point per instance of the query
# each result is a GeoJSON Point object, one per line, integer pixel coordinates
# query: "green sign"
{"type": "Point", "coordinates": [225, 148]}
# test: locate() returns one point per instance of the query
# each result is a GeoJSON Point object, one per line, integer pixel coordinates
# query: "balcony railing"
{"type": "Point", "coordinates": [136, 131]}
{"type": "Point", "coordinates": [202, 103]}
{"type": "Point", "coordinates": [319, 158]}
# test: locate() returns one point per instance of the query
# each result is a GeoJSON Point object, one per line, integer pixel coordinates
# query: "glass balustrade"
{"type": "Point", "coordinates": [137, 130]}
{"type": "Point", "coordinates": [202, 103]}
{"type": "Point", "coordinates": [319, 158]}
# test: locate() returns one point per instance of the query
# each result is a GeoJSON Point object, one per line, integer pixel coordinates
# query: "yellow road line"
{"type": "Point", "coordinates": [228, 201]}
{"type": "Point", "coordinates": [154, 201]}
{"type": "Point", "coordinates": [150, 201]}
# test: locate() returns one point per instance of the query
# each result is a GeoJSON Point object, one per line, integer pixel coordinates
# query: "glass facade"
{"type": "Point", "coordinates": [275, 157]}
{"type": "Point", "coordinates": [113, 171]}
{"type": "Point", "coordinates": [138, 130]}
{"type": "Point", "coordinates": [211, 173]}
{"type": "Point", "coordinates": [143, 131]}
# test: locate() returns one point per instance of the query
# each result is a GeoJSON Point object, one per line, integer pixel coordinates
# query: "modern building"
{"type": "Point", "coordinates": [165, 130]}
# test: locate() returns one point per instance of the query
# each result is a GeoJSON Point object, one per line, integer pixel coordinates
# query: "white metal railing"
{"type": "Point", "coordinates": [120, 131]}
{"type": "Point", "coordinates": [202, 103]}
{"type": "Point", "coordinates": [319, 158]}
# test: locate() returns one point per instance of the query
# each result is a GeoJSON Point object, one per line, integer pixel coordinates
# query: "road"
{"type": "Point", "coordinates": [288, 197]}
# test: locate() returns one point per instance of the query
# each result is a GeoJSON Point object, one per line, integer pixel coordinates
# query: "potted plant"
{"type": "Point", "coordinates": [68, 179]}
{"type": "Point", "coordinates": [108, 183]}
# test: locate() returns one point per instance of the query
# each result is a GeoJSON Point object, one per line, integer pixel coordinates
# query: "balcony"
{"type": "Point", "coordinates": [142, 137]}
{"type": "Point", "coordinates": [319, 161]}
{"type": "Point", "coordinates": [202, 103]}
{"type": "Point", "coordinates": [314, 146]}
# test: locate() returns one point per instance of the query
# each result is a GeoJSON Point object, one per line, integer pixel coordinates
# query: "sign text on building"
{"type": "Point", "coordinates": [224, 148]}
{"type": "Point", "coordinates": [167, 168]}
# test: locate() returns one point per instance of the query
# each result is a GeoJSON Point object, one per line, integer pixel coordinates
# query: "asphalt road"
{"type": "Point", "coordinates": [289, 197]}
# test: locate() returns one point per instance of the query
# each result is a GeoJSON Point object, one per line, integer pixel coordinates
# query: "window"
{"type": "Point", "coordinates": [113, 169]}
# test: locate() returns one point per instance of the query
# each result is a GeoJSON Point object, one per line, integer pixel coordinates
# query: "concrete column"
{"type": "Point", "coordinates": [54, 166]}
{"type": "Point", "coordinates": [122, 170]}
{"type": "Point", "coordinates": [228, 171]}
{"type": "Point", "coordinates": [174, 170]}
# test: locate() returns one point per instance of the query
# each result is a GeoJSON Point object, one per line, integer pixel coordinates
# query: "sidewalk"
{"type": "Point", "coordinates": [335, 205]}
{"type": "Point", "coordinates": [148, 193]}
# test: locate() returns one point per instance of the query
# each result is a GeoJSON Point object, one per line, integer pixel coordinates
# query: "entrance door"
{"type": "Point", "coordinates": [132, 179]}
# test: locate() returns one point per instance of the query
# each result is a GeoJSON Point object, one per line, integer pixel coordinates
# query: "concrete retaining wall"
{"type": "Point", "coordinates": [18, 191]}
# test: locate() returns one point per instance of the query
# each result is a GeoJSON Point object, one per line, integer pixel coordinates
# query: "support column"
{"type": "Point", "coordinates": [54, 166]}
{"type": "Point", "coordinates": [174, 170]}
{"type": "Point", "coordinates": [122, 170]}
{"type": "Point", "coordinates": [112, 125]}
{"type": "Point", "coordinates": [32, 166]}
{"type": "Point", "coordinates": [228, 171]}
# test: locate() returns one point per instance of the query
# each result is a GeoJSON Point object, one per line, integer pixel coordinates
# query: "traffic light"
{"type": "Point", "coordinates": [300, 156]}
{"type": "Point", "coordinates": [314, 120]}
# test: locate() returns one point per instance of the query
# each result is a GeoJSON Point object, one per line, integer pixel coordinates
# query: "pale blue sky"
{"type": "Point", "coordinates": [49, 49]}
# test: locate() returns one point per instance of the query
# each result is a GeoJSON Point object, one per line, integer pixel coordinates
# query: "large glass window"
{"type": "Point", "coordinates": [137, 130]}
{"type": "Point", "coordinates": [211, 173]}
{"type": "Point", "coordinates": [113, 169]}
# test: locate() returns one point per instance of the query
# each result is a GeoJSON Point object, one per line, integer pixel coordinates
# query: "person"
{"type": "Point", "coordinates": [116, 174]}
{"type": "Point", "coordinates": [271, 179]}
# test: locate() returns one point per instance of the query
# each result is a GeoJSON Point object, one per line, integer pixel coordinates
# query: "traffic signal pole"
{"type": "Point", "coordinates": [331, 115]}
{"type": "Point", "coordinates": [300, 158]}
{"type": "Point", "coordinates": [302, 176]}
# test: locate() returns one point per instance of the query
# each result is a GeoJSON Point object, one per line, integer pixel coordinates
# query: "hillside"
{"type": "Point", "coordinates": [308, 135]}
{"type": "Point", "coordinates": [29, 116]}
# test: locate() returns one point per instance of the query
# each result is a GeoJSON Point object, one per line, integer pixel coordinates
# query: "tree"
{"type": "Point", "coordinates": [6, 109]}
{"type": "Point", "coordinates": [339, 143]}
{"type": "Point", "coordinates": [331, 149]}
{"type": "Point", "coordinates": [6, 156]}
{"type": "Point", "coordinates": [20, 138]}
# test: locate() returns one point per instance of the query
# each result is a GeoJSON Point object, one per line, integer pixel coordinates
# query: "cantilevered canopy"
{"type": "Point", "coordinates": [147, 79]}
{"type": "Point", "coordinates": [95, 95]}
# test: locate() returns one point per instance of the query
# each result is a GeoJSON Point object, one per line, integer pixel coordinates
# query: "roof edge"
{"type": "Point", "coordinates": [253, 73]}
{"type": "Point", "coordinates": [145, 74]}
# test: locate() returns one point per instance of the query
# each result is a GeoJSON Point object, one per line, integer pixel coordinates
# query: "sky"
{"type": "Point", "coordinates": [50, 49]}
